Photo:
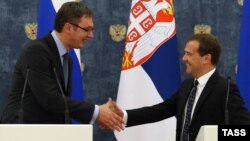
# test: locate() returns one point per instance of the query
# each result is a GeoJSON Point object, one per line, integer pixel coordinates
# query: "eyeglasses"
{"type": "Point", "coordinates": [84, 29]}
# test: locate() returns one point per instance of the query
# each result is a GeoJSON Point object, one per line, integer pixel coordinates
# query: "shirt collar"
{"type": "Point", "coordinates": [59, 44]}
{"type": "Point", "coordinates": [204, 78]}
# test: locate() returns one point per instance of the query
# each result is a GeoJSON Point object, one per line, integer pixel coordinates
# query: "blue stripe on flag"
{"type": "Point", "coordinates": [77, 84]}
{"type": "Point", "coordinates": [164, 69]}
{"type": "Point", "coordinates": [243, 72]}
{"type": "Point", "coordinates": [46, 15]}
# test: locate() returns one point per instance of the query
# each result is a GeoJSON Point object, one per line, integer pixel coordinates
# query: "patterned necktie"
{"type": "Point", "coordinates": [66, 69]}
{"type": "Point", "coordinates": [189, 111]}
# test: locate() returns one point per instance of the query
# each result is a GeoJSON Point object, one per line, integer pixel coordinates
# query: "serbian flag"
{"type": "Point", "coordinates": [243, 71]}
{"type": "Point", "coordinates": [46, 16]}
{"type": "Point", "coordinates": [150, 67]}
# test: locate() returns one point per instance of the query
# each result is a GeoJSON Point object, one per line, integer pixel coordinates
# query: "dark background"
{"type": "Point", "coordinates": [102, 56]}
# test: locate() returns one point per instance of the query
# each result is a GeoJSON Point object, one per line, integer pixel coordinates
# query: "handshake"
{"type": "Point", "coordinates": [110, 116]}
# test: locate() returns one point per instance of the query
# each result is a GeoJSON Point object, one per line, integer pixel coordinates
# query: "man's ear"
{"type": "Point", "coordinates": [67, 28]}
{"type": "Point", "coordinates": [207, 58]}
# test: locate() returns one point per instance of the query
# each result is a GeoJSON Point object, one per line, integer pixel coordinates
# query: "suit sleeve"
{"type": "Point", "coordinates": [153, 113]}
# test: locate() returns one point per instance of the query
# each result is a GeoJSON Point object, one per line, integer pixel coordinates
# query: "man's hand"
{"type": "Point", "coordinates": [114, 107]}
{"type": "Point", "coordinates": [108, 119]}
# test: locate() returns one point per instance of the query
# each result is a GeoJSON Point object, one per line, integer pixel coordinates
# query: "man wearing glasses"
{"type": "Point", "coordinates": [41, 83]}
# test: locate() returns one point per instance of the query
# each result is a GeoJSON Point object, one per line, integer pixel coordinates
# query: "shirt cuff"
{"type": "Point", "coordinates": [125, 117]}
{"type": "Point", "coordinates": [95, 114]}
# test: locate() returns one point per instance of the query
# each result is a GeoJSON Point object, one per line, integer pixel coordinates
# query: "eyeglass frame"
{"type": "Point", "coordinates": [84, 29]}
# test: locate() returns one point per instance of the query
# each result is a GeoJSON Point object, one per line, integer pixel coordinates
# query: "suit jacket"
{"type": "Point", "coordinates": [43, 101]}
{"type": "Point", "coordinates": [209, 110]}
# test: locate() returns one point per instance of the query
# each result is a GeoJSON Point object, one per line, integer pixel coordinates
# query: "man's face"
{"type": "Point", "coordinates": [193, 59]}
{"type": "Point", "coordinates": [81, 32]}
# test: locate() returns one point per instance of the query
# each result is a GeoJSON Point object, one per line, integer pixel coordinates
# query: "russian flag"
{"type": "Point", "coordinates": [150, 68]}
{"type": "Point", "coordinates": [46, 15]}
{"type": "Point", "coordinates": [243, 71]}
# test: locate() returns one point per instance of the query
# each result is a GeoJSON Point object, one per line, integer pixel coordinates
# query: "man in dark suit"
{"type": "Point", "coordinates": [41, 62]}
{"type": "Point", "coordinates": [202, 53]}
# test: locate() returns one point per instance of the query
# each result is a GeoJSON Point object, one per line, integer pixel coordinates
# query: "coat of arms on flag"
{"type": "Point", "coordinates": [153, 23]}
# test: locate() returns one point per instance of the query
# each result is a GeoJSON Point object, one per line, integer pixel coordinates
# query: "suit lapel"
{"type": "Point", "coordinates": [56, 60]}
{"type": "Point", "coordinates": [206, 91]}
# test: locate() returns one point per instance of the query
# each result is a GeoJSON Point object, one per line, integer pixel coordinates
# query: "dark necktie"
{"type": "Point", "coordinates": [66, 69]}
{"type": "Point", "coordinates": [189, 109]}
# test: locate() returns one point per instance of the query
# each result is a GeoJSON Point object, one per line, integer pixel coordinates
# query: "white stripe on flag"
{"type": "Point", "coordinates": [58, 3]}
{"type": "Point", "coordinates": [133, 94]}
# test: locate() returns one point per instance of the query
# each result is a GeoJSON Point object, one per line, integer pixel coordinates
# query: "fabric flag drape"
{"type": "Point", "coordinates": [46, 15]}
{"type": "Point", "coordinates": [243, 71]}
{"type": "Point", "coordinates": [150, 68]}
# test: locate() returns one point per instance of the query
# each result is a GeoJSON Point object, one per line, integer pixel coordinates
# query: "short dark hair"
{"type": "Point", "coordinates": [208, 45]}
{"type": "Point", "coordinates": [70, 12]}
